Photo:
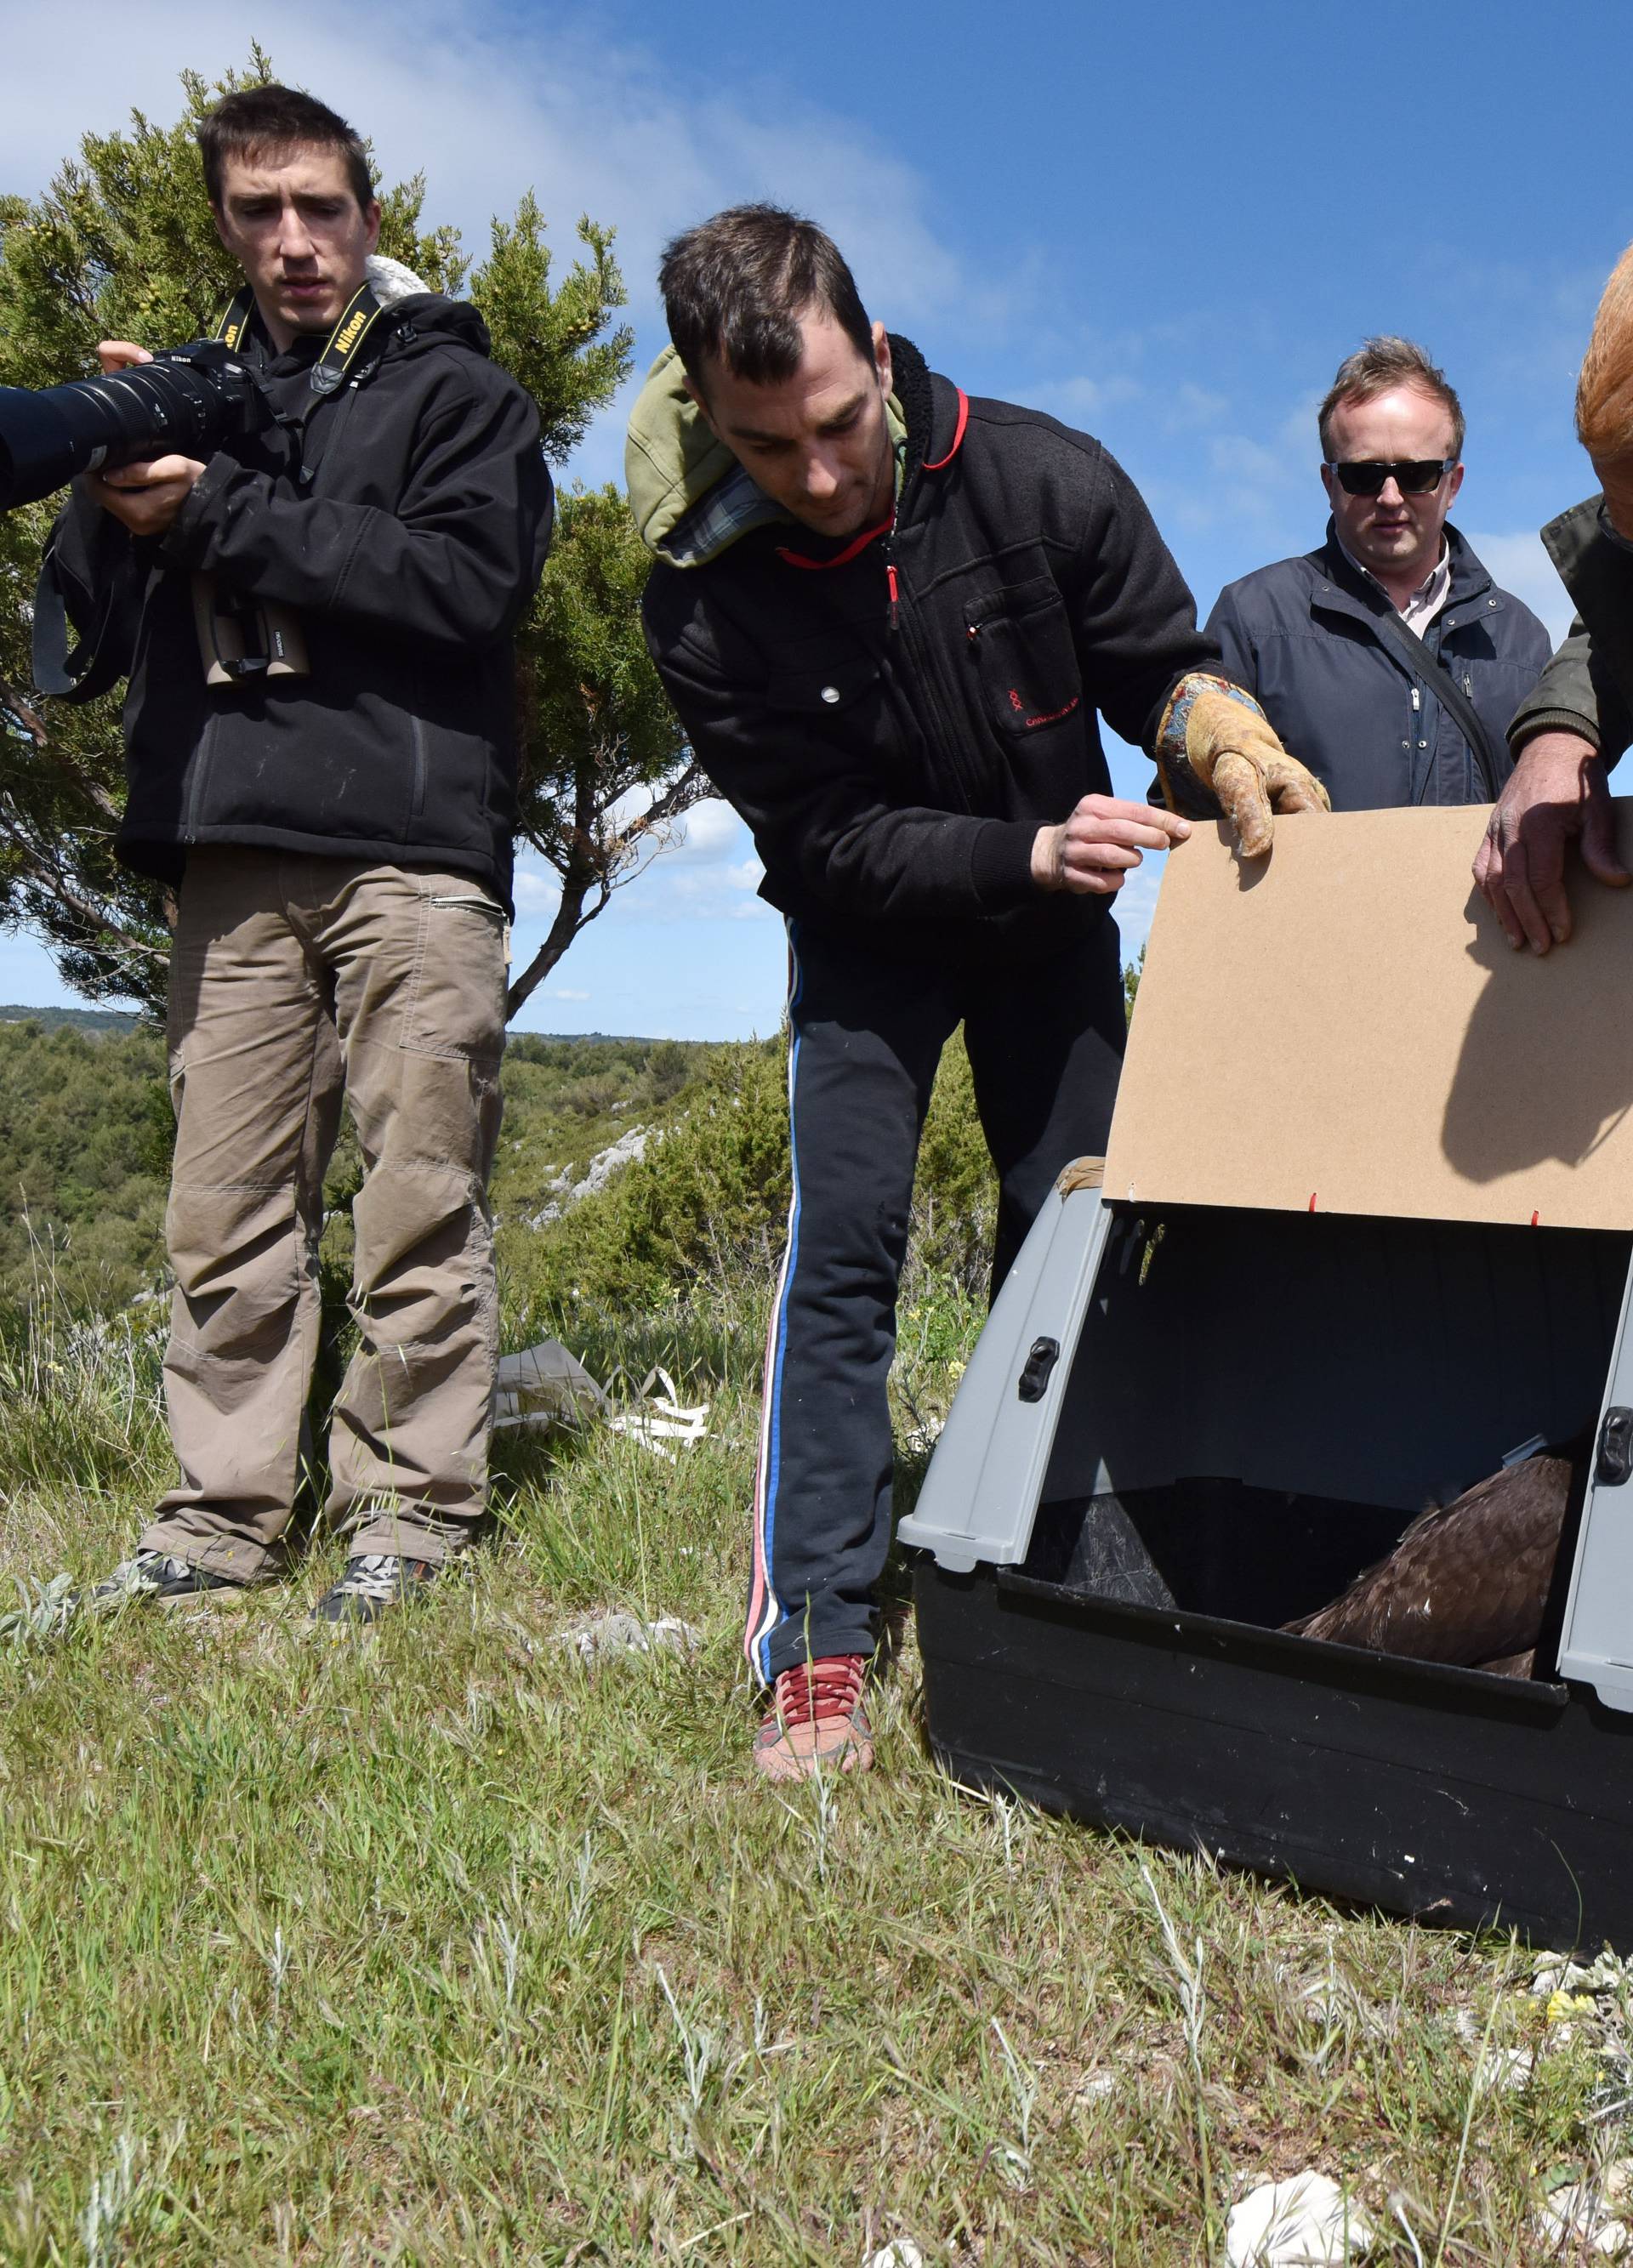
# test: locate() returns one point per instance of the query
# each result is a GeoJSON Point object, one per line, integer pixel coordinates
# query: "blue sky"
{"type": "Point", "coordinates": [1165, 222]}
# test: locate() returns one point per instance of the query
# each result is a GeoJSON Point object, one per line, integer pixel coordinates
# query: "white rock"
{"type": "Point", "coordinates": [1556, 1973]}
{"type": "Point", "coordinates": [1574, 2212]}
{"type": "Point", "coordinates": [1506, 2069]}
{"type": "Point", "coordinates": [604, 1635]}
{"type": "Point", "coordinates": [1305, 2223]}
{"type": "Point", "coordinates": [596, 1175]}
{"type": "Point", "coordinates": [900, 2252]}
{"type": "Point", "coordinates": [1617, 2186]}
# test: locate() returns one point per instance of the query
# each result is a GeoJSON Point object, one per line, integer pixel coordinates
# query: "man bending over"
{"type": "Point", "coordinates": [887, 614]}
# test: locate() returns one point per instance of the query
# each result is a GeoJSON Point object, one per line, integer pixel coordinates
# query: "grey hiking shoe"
{"type": "Point", "coordinates": [156, 1575]}
{"type": "Point", "coordinates": [372, 1582]}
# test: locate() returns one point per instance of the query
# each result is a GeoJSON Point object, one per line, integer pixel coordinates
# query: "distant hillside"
{"type": "Point", "coordinates": [85, 1135]}
{"type": "Point", "coordinates": [78, 1019]}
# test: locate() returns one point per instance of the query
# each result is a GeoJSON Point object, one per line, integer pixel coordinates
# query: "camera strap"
{"type": "Point", "coordinates": [1493, 764]}
{"type": "Point", "coordinates": [344, 346]}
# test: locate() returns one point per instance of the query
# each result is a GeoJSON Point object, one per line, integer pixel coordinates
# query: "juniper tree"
{"type": "Point", "coordinates": [122, 245]}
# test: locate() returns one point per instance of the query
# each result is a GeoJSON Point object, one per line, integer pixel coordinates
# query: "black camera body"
{"type": "Point", "coordinates": [184, 403]}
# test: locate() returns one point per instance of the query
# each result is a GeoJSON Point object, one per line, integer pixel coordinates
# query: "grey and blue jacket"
{"type": "Point", "coordinates": [1304, 636]}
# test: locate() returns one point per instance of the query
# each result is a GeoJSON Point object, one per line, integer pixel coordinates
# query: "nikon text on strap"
{"type": "Point", "coordinates": [346, 344]}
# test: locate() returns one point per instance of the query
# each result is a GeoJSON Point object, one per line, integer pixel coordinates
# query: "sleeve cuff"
{"type": "Point", "coordinates": [1532, 721]}
{"type": "Point", "coordinates": [1000, 865]}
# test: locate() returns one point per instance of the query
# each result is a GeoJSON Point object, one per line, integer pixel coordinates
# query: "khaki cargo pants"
{"type": "Point", "coordinates": [295, 981]}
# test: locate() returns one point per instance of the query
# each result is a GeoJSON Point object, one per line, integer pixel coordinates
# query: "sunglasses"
{"type": "Point", "coordinates": [1415, 477]}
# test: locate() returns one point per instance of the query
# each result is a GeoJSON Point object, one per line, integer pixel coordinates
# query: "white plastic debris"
{"type": "Point", "coordinates": [658, 1415]}
{"type": "Point", "coordinates": [1305, 2223]}
{"type": "Point", "coordinates": [545, 1386]}
{"type": "Point", "coordinates": [900, 2252]}
{"type": "Point", "coordinates": [604, 1635]}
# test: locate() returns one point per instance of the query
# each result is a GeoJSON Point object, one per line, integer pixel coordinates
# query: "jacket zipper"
{"type": "Point", "coordinates": [887, 552]}
{"type": "Point", "coordinates": [938, 737]}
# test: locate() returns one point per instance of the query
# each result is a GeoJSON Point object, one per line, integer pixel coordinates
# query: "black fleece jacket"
{"type": "Point", "coordinates": [405, 521]}
{"type": "Point", "coordinates": [895, 764]}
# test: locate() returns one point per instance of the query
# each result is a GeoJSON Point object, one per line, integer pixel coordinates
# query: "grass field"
{"type": "Point", "coordinates": [446, 1948]}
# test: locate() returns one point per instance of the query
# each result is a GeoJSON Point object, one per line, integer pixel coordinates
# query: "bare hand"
{"type": "Point", "coordinates": [1093, 851]}
{"type": "Point", "coordinates": [145, 497]}
{"type": "Point", "coordinates": [120, 354]}
{"type": "Point", "coordinates": [1557, 790]}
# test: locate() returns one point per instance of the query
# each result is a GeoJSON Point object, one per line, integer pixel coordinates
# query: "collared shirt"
{"type": "Point", "coordinates": [1430, 596]}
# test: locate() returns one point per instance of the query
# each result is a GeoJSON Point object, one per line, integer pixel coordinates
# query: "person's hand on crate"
{"type": "Point", "coordinates": [1557, 790]}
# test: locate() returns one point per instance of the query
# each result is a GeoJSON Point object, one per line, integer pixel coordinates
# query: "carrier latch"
{"type": "Point", "coordinates": [1034, 1373]}
{"type": "Point", "coordinates": [1615, 1460]}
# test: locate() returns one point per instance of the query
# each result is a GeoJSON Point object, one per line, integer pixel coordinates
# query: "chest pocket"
{"type": "Point", "coordinates": [1021, 643]}
{"type": "Point", "coordinates": [820, 692]}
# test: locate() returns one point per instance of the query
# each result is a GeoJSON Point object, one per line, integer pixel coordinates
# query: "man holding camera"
{"type": "Point", "coordinates": [1387, 659]}
{"type": "Point", "coordinates": [887, 614]}
{"type": "Point", "coordinates": [322, 763]}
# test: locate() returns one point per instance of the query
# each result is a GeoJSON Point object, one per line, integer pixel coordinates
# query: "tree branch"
{"type": "Point", "coordinates": [34, 724]}
{"type": "Point", "coordinates": [50, 876]}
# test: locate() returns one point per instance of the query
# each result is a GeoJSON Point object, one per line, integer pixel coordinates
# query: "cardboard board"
{"type": "Point", "coordinates": [1344, 1027]}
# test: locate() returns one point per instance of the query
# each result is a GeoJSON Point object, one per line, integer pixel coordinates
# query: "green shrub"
{"type": "Point", "coordinates": [85, 1135]}
{"type": "Point", "coordinates": [708, 1201]}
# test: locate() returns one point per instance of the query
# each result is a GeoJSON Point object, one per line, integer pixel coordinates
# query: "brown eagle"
{"type": "Point", "coordinates": [1468, 1582]}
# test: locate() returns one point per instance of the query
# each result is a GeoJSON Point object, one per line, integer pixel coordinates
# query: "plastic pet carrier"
{"type": "Point", "coordinates": [1362, 1235]}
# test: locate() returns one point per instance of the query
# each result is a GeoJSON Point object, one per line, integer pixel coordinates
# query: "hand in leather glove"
{"type": "Point", "coordinates": [1231, 753]}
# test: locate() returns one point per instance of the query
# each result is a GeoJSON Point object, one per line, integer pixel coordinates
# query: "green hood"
{"type": "Point", "coordinates": [690, 497]}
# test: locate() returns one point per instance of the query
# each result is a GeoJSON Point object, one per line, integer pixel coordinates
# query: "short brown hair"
{"type": "Point", "coordinates": [1374, 369]}
{"type": "Point", "coordinates": [257, 119]}
{"type": "Point", "coordinates": [1605, 387]}
{"type": "Point", "coordinates": [735, 287]}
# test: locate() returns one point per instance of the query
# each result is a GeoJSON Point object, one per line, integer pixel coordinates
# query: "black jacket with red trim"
{"type": "Point", "coordinates": [896, 762]}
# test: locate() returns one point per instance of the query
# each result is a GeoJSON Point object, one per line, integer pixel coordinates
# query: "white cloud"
{"type": "Point", "coordinates": [1078, 401]}
{"type": "Point", "coordinates": [536, 889]}
{"type": "Point", "coordinates": [488, 104]}
{"type": "Point", "coordinates": [1135, 902]}
{"type": "Point", "coordinates": [564, 992]}
{"type": "Point", "coordinates": [1520, 564]}
{"type": "Point", "coordinates": [711, 829]}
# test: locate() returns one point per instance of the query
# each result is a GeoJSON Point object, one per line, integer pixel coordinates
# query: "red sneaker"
{"type": "Point", "coordinates": [818, 1720]}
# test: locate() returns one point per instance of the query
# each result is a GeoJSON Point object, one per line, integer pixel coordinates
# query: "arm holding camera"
{"type": "Point", "coordinates": [452, 564]}
{"type": "Point", "coordinates": [145, 496]}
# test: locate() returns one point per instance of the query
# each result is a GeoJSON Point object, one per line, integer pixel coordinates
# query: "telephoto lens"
{"type": "Point", "coordinates": [183, 402]}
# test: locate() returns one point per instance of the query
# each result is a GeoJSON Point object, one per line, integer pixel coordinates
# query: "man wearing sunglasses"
{"type": "Point", "coordinates": [1387, 660]}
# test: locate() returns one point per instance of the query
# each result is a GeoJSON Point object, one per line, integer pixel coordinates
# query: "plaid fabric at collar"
{"type": "Point", "coordinates": [733, 508]}
{"type": "Point", "coordinates": [736, 505]}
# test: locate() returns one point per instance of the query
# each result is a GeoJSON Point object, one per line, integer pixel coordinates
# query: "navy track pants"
{"type": "Point", "coordinates": [1045, 1044]}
